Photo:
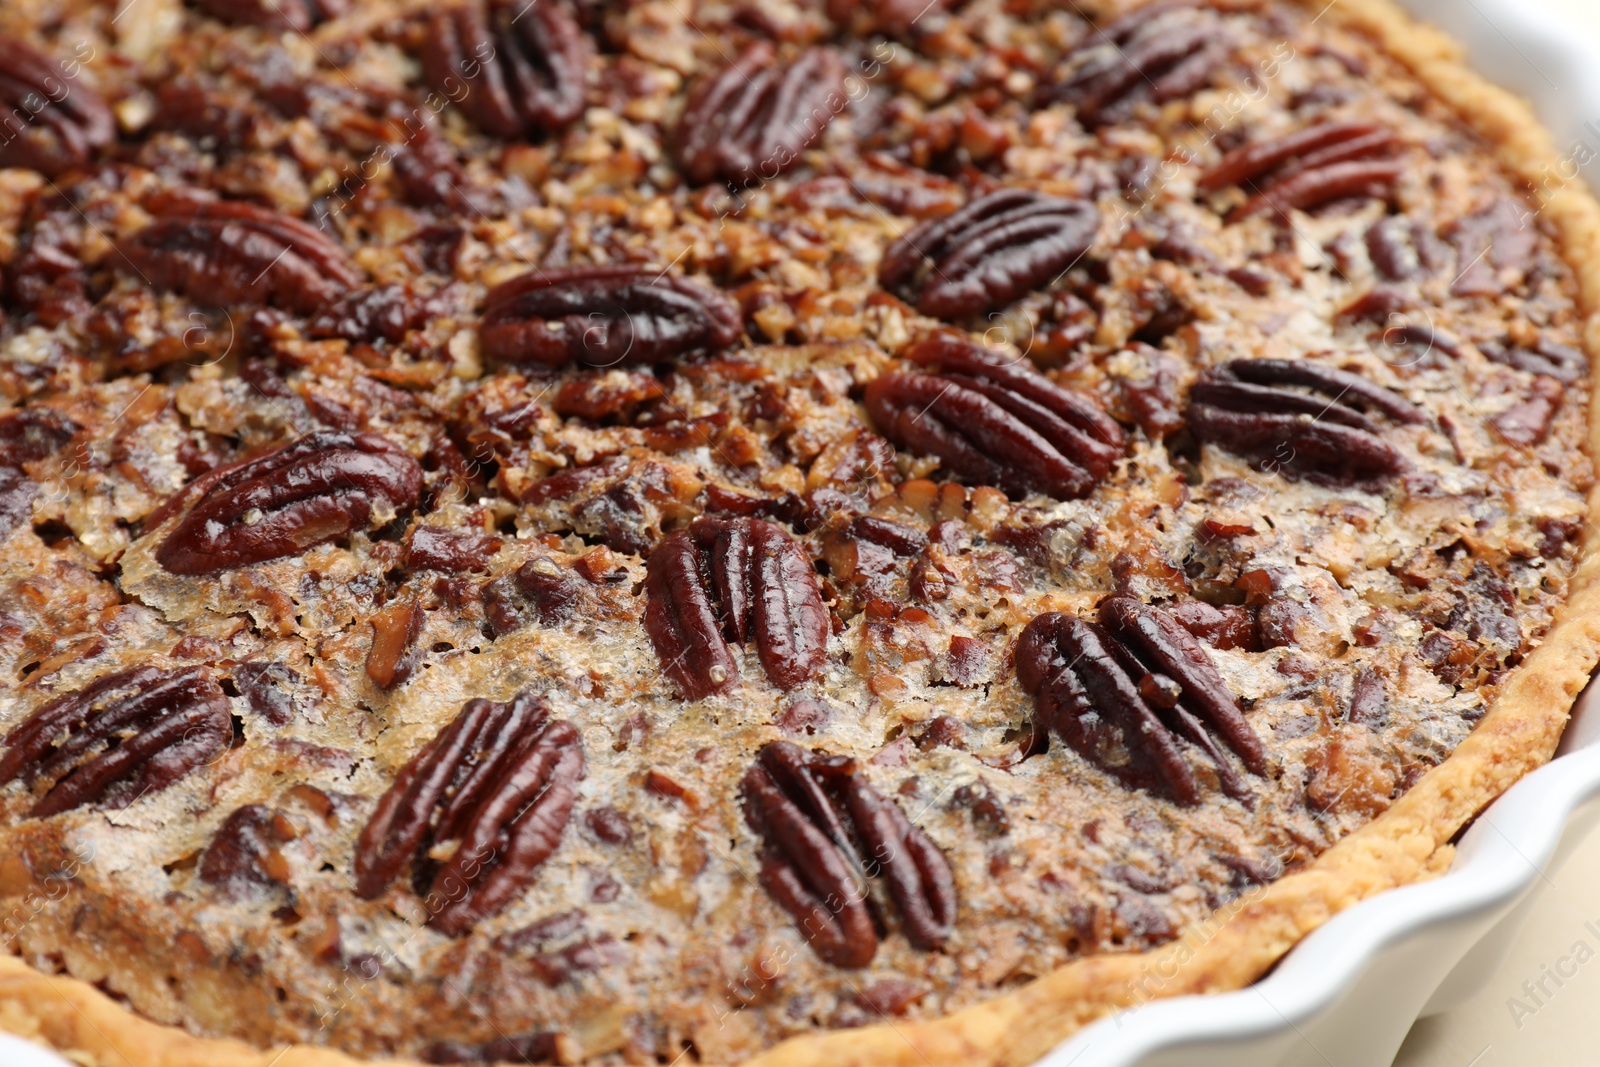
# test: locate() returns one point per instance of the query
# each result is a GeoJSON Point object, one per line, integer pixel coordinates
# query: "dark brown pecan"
{"type": "Point", "coordinates": [750, 121]}
{"type": "Point", "coordinates": [1252, 408]}
{"type": "Point", "coordinates": [1308, 168]}
{"type": "Point", "coordinates": [228, 253]}
{"type": "Point", "coordinates": [50, 121]}
{"type": "Point", "coordinates": [605, 315]}
{"type": "Point", "coordinates": [827, 830]}
{"type": "Point", "coordinates": [274, 15]}
{"type": "Point", "coordinates": [1494, 247]}
{"type": "Point", "coordinates": [989, 254]}
{"type": "Point", "coordinates": [440, 549]}
{"type": "Point", "coordinates": [733, 580]}
{"type": "Point", "coordinates": [321, 487]}
{"type": "Point", "coordinates": [500, 782]}
{"type": "Point", "coordinates": [996, 421]}
{"type": "Point", "coordinates": [1156, 53]}
{"type": "Point", "coordinates": [128, 734]}
{"type": "Point", "coordinates": [516, 69]}
{"type": "Point", "coordinates": [1125, 692]}
{"type": "Point", "coordinates": [245, 855]}
{"type": "Point", "coordinates": [539, 585]}
{"type": "Point", "coordinates": [1404, 249]}
{"type": "Point", "coordinates": [1552, 359]}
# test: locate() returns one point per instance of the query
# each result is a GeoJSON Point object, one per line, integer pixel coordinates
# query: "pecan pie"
{"type": "Point", "coordinates": [637, 531]}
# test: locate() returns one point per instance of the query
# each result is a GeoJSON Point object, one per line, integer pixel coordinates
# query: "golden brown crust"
{"type": "Point", "coordinates": [1407, 843]}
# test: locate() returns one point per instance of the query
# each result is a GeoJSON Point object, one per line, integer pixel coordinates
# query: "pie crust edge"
{"type": "Point", "coordinates": [1410, 842]}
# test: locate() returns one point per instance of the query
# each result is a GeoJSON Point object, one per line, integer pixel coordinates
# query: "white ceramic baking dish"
{"type": "Point", "coordinates": [1347, 995]}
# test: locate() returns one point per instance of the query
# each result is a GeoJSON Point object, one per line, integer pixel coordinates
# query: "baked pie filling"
{"type": "Point", "coordinates": [635, 531]}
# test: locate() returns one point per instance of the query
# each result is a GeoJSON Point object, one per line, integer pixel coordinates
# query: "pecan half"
{"type": "Point", "coordinates": [604, 315]}
{"type": "Point", "coordinates": [1252, 408]}
{"type": "Point", "coordinates": [1156, 53]}
{"type": "Point", "coordinates": [228, 253]}
{"type": "Point", "coordinates": [274, 15]}
{"type": "Point", "coordinates": [1565, 363]}
{"type": "Point", "coordinates": [50, 121]}
{"type": "Point", "coordinates": [500, 781]}
{"type": "Point", "coordinates": [995, 421]}
{"type": "Point", "coordinates": [321, 487]}
{"type": "Point", "coordinates": [1404, 249]}
{"type": "Point", "coordinates": [733, 580]}
{"type": "Point", "coordinates": [128, 734]}
{"type": "Point", "coordinates": [989, 254]}
{"type": "Point", "coordinates": [516, 69]}
{"type": "Point", "coordinates": [1308, 168]}
{"type": "Point", "coordinates": [1495, 248]}
{"type": "Point", "coordinates": [1125, 692]}
{"type": "Point", "coordinates": [750, 121]}
{"type": "Point", "coordinates": [827, 830]}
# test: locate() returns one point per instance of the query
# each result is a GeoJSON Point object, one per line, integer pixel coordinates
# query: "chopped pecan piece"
{"type": "Point", "coordinates": [245, 852]}
{"type": "Point", "coordinates": [1250, 408]}
{"type": "Point", "coordinates": [125, 735]}
{"type": "Point", "coordinates": [1308, 168]}
{"type": "Point", "coordinates": [500, 782]}
{"type": "Point", "coordinates": [1153, 54]}
{"type": "Point", "coordinates": [827, 830]}
{"type": "Point", "coordinates": [733, 580]}
{"type": "Point", "coordinates": [539, 585]}
{"type": "Point", "coordinates": [274, 15]}
{"type": "Point", "coordinates": [321, 487]}
{"type": "Point", "coordinates": [750, 121]}
{"type": "Point", "coordinates": [50, 121]}
{"type": "Point", "coordinates": [516, 69]}
{"type": "Point", "coordinates": [394, 654]}
{"type": "Point", "coordinates": [228, 253]}
{"type": "Point", "coordinates": [997, 249]}
{"type": "Point", "coordinates": [1124, 692]}
{"type": "Point", "coordinates": [602, 316]}
{"type": "Point", "coordinates": [995, 421]}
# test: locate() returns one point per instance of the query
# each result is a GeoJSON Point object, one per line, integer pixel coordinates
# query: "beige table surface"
{"type": "Point", "coordinates": [1507, 1023]}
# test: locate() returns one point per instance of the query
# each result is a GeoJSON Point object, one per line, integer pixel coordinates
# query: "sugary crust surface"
{"type": "Point", "coordinates": [1408, 842]}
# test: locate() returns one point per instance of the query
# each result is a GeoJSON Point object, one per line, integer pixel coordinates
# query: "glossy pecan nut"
{"type": "Point", "coordinates": [997, 249]}
{"type": "Point", "coordinates": [1257, 409]}
{"type": "Point", "coordinates": [323, 486]}
{"type": "Point", "coordinates": [996, 421]}
{"type": "Point", "coordinates": [603, 316]}
{"type": "Point", "coordinates": [737, 580]}
{"type": "Point", "coordinates": [1156, 53]}
{"type": "Point", "coordinates": [125, 735]}
{"type": "Point", "coordinates": [750, 121]}
{"type": "Point", "coordinates": [1124, 694]}
{"type": "Point", "coordinates": [827, 830]}
{"type": "Point", "coordinates": [1308, 168]}
{"type": "Point", "coordinates": [274, 15]}
{"type": "Point", "coordinates": [228, 253]}
{"type": "Point", "coordinates": [50, 121]}
{"type": "Point", "coordinates": [516, 69]}
{"type": "Point", "coordinates": [499, 782]}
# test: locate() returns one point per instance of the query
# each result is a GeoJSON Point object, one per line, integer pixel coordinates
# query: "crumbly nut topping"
{"type": "Point", "coordinates": [614, 528]}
